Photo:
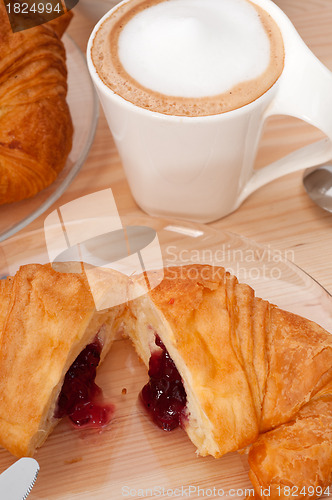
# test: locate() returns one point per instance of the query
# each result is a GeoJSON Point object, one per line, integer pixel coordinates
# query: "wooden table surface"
{"type": "Point", "coordinates": [279, 214]}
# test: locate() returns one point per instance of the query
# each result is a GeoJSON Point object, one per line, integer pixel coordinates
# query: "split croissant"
{"type": "Point", "coordinates": [253, 374]}
{"type": "Point", "coordinates": [256, 377]}
{"type": "Point", "coordinates": [35, 123]}
{"type": "Point", "coordinates": [46, 319]}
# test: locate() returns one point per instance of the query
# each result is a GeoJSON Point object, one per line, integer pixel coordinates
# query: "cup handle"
{"type": "Point", "coordinates": [305, 92]}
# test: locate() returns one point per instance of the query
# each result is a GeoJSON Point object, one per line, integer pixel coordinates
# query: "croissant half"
{"type": "Point", "coordinates": [254, 375]}
{"type": "Point", "coordinates": [47, 318]}
{"type": "Point", "coordinates": [35, 123]}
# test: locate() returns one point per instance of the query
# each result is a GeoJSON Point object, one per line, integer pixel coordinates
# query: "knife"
{"type": "Point", "coordinates": [17, 481]}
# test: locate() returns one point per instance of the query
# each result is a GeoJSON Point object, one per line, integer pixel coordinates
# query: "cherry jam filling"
{"type": "Point", "coordinates": [164, 396]}
{"type": "Point", "coordinates": [81, 398]}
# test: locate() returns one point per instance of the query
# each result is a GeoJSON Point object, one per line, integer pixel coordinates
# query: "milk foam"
{"type": "Point", "coordinates": [194, 48]}
{"type": "Point", "coordinates": [189, 57]}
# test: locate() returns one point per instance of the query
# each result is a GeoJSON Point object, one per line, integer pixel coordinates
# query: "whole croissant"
{"type": "Point", "coordinates": [254, 375]}
{"type": "Point", "coordinates": [35, 123]}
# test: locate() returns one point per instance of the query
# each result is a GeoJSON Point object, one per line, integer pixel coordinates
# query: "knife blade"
{"type": "Point", "coordinates": [17, 481]}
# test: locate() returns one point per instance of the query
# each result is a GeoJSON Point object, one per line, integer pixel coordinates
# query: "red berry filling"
{"type": "Point", "coordinates": [164, 396]}
{"type": "Point", "coordinates": [80, 398]}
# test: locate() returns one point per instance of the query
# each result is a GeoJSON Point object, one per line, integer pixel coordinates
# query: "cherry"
{"type": "Point", "coordinates": [164, 396]}
{"type": "Point", "coordinates": [80, 397]}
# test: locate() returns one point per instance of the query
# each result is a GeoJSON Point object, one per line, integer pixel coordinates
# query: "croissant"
{"type": "Point", "coordinates": [52, 340]}
{"type": "Point", "coordinates": [35, 123]}
{"type": "Point", "coordinates": [236, 371]}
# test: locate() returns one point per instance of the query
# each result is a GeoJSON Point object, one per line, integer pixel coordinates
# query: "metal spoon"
{"type": "Point", "coordinates": [317, 182]}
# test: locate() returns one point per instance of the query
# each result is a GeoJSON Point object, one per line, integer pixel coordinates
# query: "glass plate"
{"type": "Point", "coordinates": [84, 108]}
{"type": "Point", "coordinates": [131, 458]}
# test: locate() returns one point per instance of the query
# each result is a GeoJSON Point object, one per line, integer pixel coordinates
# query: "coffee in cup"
{"type": "Point", "coordinates": [187, 86]}
{"type": "Point", "coordinates": [189, 57]}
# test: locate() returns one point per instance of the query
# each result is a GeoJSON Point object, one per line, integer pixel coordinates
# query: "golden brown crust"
{"type": "Point", "coordinates": [295, 459]}
{"type": "Point", "coordinates": [299, 364]}
{"type": "Point", "coordinates": [46, 319]}
{"type": "Point", "coordinates": [35, 123]}
{"type": "Point", "coordinates": [283, 357]}
{"type": "Point", "coordinates": [60, 24]}
{"type": "Point", "coordinates": [252, 367]}
{"type": "Point", "coordinates": [196, 303]}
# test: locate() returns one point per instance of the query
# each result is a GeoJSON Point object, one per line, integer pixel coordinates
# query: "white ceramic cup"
{"type": "Point", "coordinates": [201, 168]}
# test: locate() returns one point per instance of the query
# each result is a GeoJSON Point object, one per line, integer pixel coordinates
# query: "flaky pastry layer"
{"type": "Point", "coordinates": [35, 123]}
{"type": "Point", "coordinates": [46, 319]}
{"type": "Point", "coordinates": [247, 366]}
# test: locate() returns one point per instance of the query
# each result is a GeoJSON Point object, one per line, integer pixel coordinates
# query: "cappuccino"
{"type": "Point", "coordinates": [189, 57]}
